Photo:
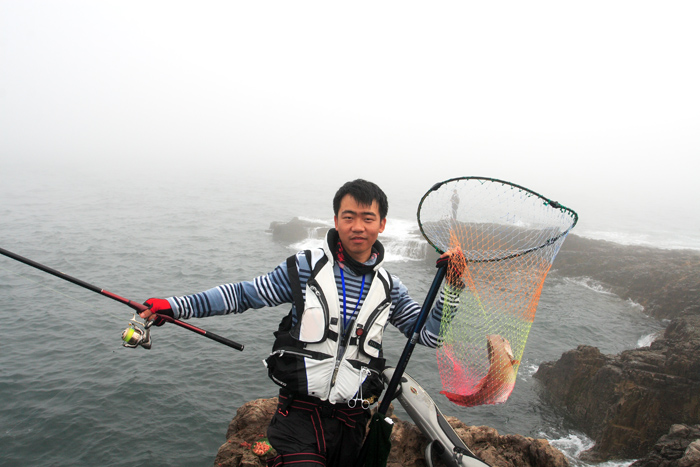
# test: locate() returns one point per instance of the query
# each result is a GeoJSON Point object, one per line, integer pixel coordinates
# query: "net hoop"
{"type": "Point", "coordinates": [504, 239]}
{"type": "Point", "coordinates": [547, 202]}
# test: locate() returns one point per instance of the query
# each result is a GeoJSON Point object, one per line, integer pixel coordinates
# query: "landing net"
{"type": "Point", "coordinates": [508, 236]}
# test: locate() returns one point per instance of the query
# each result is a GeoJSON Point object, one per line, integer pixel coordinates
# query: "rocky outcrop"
{"type": "Point", "coordinates": [408, 443]}
{"type": "Point", "coordinates": [626, 402]}
{"type": "Point", "coordinates": [679, 448]}
{"type": "Point", "coordinates": [665, 282]}
{"type": "Point", "coordinates": [297, 230]}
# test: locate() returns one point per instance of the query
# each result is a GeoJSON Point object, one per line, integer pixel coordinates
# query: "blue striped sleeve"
{"type": "Point", "coordinates": [405, 311]}
{"type": "Point", "coordinates": [268, 290]}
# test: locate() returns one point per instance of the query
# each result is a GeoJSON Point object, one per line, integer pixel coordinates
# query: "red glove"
{"type": "Point", "coordinates": [159, 306]}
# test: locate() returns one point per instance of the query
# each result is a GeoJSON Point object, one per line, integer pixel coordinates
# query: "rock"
{"type": "Point", "coordinates": [297, 230]}
{"type": "Point", "coordinates": [626, 402]}
{"type": "Point", "coordinates": [679, 448]}
{"type": "Point", "coordinates": [507, 450]}
{"type": "Point", "coordinates": [665, 282]}
{"type": "Point", "coordinates": [247, 427]}
{"type": "Point", "coordinates": [408, 443]}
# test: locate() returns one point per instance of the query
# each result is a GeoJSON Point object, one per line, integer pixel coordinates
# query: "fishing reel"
{"type": "Point", "coordinates": [137, 333]}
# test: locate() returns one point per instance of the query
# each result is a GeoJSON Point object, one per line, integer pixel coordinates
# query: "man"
{"type": "Point", "coordinates": [327, 354]}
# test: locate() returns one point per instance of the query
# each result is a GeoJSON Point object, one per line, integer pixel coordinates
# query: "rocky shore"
{"type": "Point", "coordinates": [408, 443]}
{"type": "Point", "coordinates": [626, 402]}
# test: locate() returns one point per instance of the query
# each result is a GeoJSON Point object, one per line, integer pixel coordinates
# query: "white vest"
{"type": "Point", "coordinates": [314, 346]}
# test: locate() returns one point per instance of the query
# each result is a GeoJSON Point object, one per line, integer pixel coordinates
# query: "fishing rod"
{"type": "Point", "coordinates": [137, 333]}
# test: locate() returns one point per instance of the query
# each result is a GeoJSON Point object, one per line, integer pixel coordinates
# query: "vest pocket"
{"type": "Point", "coordinates": [374, 385]}
{"type": "Point", "coordinates": [347, 383]}
{"type": "Point", "coordinates": [293, 368]}
{"type": "Point", "coordinates": [312, 325]}
{"type": "Point", "coordinates": [371, 340]}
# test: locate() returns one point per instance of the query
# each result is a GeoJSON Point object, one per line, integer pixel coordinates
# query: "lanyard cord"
{"type": "Point", "coordinates": [362, 289]}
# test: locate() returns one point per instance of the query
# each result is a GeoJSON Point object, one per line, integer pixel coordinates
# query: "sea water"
{"type": "Point", "coordinates": [73, 395]}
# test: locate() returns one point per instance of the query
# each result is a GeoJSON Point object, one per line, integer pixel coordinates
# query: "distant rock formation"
{"type": "Point", "coordinates": [408, 443]}
{"type": "Point", "coordinates": [297, 230]}
{"type": "Point", "coordinates": [626, 402]}
{"type": "Point", "coordinates": [665, 282]}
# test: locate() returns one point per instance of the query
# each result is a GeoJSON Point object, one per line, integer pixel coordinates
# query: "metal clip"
{"type": "Point", "coordinates": [358, 399]}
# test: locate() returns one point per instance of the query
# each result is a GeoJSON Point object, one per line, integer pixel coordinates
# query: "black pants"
{"type": "Point", "coordinates": [307, 432]}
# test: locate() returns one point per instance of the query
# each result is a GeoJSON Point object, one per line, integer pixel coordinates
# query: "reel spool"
{"type": "Point", "coordinates": [137, 334]}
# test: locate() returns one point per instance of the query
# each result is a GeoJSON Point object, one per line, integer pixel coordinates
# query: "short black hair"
{"type": "Point", "coordinates": [364, 193]}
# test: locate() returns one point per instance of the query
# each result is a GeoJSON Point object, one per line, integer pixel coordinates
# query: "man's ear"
{"type": "Point", "coordinates": [382, 225]}
{"type": "Point", "coordinates": [335, 221]}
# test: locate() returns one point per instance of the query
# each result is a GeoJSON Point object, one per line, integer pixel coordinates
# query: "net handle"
{"type": "Point", "coordinates": [547, 201]}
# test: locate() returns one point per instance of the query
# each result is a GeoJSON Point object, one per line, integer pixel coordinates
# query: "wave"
{"type": "Point", "coordinates": [403, 242]}
{"type": "Point", "coordinates": [646, 341]}
{"type": "Point", "coordinates": [590, 284]}
{"type": "Point", "coordinates": [574, 444]}
{"type": "Point", "coordinates": [634, 304]}
{"type": "Point", "coordinates": [401, 239]}
{"type": "Point", "coordinates": [527, 370]}
{"type": "Point", "coordinates": [662, 240]}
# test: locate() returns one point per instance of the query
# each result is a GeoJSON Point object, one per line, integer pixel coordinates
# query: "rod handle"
{"type": "Point", "coordinates": [202, 332]}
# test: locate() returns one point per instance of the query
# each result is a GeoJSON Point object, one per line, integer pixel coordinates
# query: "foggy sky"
{"type": "Point", "coordinates": [593, 103]}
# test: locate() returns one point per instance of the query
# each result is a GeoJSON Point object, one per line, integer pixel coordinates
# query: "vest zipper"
{"type": "Point", "coordinates": [346, 339]}
{"type": "Point", "coordinates": [342, 348]}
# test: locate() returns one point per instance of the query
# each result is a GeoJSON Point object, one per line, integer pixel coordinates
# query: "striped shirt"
{"type": "Point", "coordinates": [273, 289]}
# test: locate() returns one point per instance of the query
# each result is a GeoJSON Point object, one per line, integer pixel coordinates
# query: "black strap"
{"type": "Point", "coordinates": [295, 284]}
{"type": "Point", "coordinates": [300, 458]}
{"type": "Point", "coordinates": [318, 409]}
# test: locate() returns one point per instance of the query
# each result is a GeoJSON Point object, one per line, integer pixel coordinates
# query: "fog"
{"type": "Point", "coordinates": [594, 104]}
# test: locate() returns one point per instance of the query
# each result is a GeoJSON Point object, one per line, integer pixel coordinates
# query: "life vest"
{"type": "Point", "coordinates": [311, 357]}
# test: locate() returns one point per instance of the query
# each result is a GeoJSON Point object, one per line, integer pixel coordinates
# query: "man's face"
{"type": "Point", "coordinates": [358, 227]}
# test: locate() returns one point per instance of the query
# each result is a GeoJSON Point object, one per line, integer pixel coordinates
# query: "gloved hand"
{"type": "Point", "coordinates": [456, 263]}
{"type": "Point", "coordinates": [157, 306]}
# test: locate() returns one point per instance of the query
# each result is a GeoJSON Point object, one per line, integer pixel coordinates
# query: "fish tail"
{"type": "Point", "coordinates": [464, 401]}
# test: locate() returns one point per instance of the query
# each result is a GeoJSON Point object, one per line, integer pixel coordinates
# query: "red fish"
{"type": "Point", "coordinates": [496, 386]}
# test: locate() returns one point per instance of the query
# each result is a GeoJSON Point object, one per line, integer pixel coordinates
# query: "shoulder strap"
{"type": "Point", "coordinates": [295, 283]}
{"type": "Point", "coordinates": [387, 281]}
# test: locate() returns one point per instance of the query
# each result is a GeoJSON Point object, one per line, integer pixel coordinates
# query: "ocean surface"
{"type": "Point", "coordinates": [73, 395]}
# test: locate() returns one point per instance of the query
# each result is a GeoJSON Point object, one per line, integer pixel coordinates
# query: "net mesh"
{"type": "Point", "coordinates": [508, 237]}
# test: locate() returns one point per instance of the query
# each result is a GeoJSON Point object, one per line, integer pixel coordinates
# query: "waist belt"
{"type": "Point", "coordinates": [318, 409]}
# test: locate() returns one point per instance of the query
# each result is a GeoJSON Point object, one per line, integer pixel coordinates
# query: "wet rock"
{"type": "Point", "coordinates": [297, 230]}
{"type": "Point", "coordinates": [408, 443]}
{"type": "Point", "coordinates": [626, 402]}
{"type": "Point", "coordinates": [679, 448]}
